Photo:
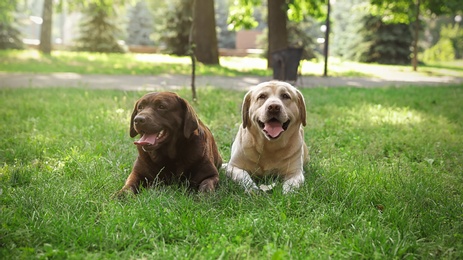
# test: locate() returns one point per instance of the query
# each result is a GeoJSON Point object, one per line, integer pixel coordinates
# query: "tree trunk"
{"type": "Point", "coordinates": [277, 31]}
{"type": "Point", "coordinates": [46, 28]}
{"type": "Point", "coordinates": [327, 39]}
{"type": "Point", "coordinates": [416, 35]}
{"type": "Point", "coordinates": [205, 36]}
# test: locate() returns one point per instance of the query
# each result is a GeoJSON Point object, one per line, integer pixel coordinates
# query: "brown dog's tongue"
{"type": "Point", "coordinates": [147, 139]}
{"type": "Point", "coordinates": [273, 128]}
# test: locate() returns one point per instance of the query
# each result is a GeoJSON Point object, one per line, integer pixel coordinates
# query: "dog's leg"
{"type": "Point", "coordinates": [208, 185]}
{"type": "Point", "coordinates": [206, 177]}
{"type": "Point", "coordinates": [293, 182]}
{"type": "Point", "coordinates": [242, 177]}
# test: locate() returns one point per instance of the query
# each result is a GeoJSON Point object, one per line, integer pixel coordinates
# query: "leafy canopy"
{"type": "Point", "coordinates": [403, 11]}
{"type": "Point", "coordinates": [241, 12]}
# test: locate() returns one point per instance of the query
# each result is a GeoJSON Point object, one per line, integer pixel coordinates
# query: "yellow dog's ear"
{"type": "Point", "coordinates": [301, 107]}
{"type": "Point", "coordinates": [190, 120]}
{"type": "Point", "coordinates": [245, 109]}
{"type": "Point", "coordinates": [133, 133]}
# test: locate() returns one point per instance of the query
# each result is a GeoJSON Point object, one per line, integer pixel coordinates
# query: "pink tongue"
{"type": "Point", "coordinates": [147, 139]}
{"type": "Point", "coordinates": [273, 128]}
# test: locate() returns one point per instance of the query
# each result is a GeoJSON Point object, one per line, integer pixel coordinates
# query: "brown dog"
{"type": "Point", "coordinates": [174, 145]}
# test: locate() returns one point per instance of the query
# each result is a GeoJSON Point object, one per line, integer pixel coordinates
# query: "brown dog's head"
{"type": "Point", "coordinates": [273, 107]}
{"type": "Point", "coordinates": [161, 117]}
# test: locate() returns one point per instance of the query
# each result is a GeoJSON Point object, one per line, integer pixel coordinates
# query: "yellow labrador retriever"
{"type": "Point", "coordinates": [270, 140]}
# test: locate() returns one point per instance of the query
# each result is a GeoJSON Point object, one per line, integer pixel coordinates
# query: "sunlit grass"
{"type": "Point", "coordinates": [115, 64]}
{"type": "Point", "coordinates": [155, 64]}
{"type": "Point", "coordinates": [384, 181]}
{"type": "Point", "coordinates": [378, 115]}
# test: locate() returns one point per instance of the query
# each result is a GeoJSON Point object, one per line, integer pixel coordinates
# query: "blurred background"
{"type": "Point", "coordinates": [377, 31]}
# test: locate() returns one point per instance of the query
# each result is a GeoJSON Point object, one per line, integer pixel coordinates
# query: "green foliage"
{"type": "Point", "coordinates": [442, 51]}
{"type": "Point", "coordinates": [455, 34]}
{"type": "Point", "coordinates": [7, 9]}
{"type": "Point", "coordinates": [298, 10]}
{"type": "Point", "coordinates": [98, 31]}
{"type": "Point", "coordinates": [302, 34]}
{"type": "Point", "coordinates": [449, 46]}
{"type": "Point", "coordinates": [404, 11]}
{"type": "Point", "coordinates": [10, 37]}
{"type": "Point", "coordinates": [387, 43]}
{"type": "Point", "coordinates": [226, 38]}
{"type": "Point", "coordinates": [175, 30]}
{"type": "Point", "coordinates": [347, 24]}
{"type": "Point", "coordinates": [241, 13]}
{"type": "Point", "coordinates": [140, 26]}
{"type": "Point", "coordinates": [384, 181]}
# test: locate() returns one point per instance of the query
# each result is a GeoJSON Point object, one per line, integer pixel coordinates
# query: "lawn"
{"type": "Point", "coordinates": [31, 61]}
{"type": "Point", "coordinates": [384, 181]}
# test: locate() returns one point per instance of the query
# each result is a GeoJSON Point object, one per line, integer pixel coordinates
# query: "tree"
{"type": "Point", "coordinates": [349, 17]}
{"type": "Point", "coordinates": [204, 33]}
{"type": "Point", "coordinates": [176, 26]}
{"type": "Point", "coordinates": [225, 37]}
{"type": "Point", "coordinates": [278, 13]}
{"type": "Point", "coordinates": [10, 36]}
{"type": "Point", "coordinates": [140, 25]}
{"type": "Point", "coordinates": [410, 12]}
{"type": "Point", "coordinates": [46, 28]}
{"type": "Point", "coordinates": [277, 31]}
{"type": "Point", "coordinates": [385, 43]}
{"type": "Point", "coordinates": [98, 31]}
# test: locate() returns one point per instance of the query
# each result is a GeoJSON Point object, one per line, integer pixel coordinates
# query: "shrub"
{"type": "Point", "coordinates": [10, 37]}
{"type": "Point", "coordinates": [98, 31]}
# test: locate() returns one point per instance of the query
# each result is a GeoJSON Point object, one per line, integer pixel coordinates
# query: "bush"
{"type": "Point", "coordinates": [10, 37]}
{"type": "Point", "coordinates": [140, 25]}
{"type": "Point", "coordinates": [384, 43]}
{"type": "Point", "coordinates": [175, 31]}
{"type": "Point", "coordinates": [442, 51]}
{"type": "Point", "coordinates": [98, 31]}
{"type": "Point", "coordinates": [449, 46]}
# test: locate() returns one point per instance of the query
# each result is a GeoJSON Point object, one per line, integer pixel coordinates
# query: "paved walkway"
{"type": "Point", "coordinates": [172, 82]}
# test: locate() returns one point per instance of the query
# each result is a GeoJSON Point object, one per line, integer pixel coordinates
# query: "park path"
{"type": "Point", "coordinates": [172, 82]}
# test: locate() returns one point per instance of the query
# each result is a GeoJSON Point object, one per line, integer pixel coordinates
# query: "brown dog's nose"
{"type": "Point", "coordinates": [274, 108]}
{"type": "Point", "coordinates": [139, 119]}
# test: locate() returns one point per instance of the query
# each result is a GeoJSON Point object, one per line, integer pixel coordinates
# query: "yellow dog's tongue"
{"type": "Point", "coordinates": [273, 128]}
{"type": "Point", "coordinates": [147, 140]}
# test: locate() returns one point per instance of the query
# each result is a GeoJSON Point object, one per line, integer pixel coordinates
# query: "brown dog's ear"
{"type": "Point", "coordinates": [301, 107]}
{"type": "Point", "coordinates": [133, 133]}
{"type": "Point", "coordinates": [190, 120]}
{"type": "Point", "coordinates": [245, 109]}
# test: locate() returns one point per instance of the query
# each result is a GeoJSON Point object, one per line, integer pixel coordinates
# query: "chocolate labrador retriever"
{"type": "Point", "coordinates": [174, 145]}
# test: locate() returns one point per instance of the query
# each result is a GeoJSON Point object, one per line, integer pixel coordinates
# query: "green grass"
{"type": "Point", "coordinates": [384, 181]}
{"type": "Point", "coordinates": [127, 64]}
{"type": "Point", "coordinates": [31, 61]}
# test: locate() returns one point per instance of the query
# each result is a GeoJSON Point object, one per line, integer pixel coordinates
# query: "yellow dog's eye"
{"type": "Point", "coordinates": [285, 96]}
{"type": "Point", "coordinates": [262, 96]}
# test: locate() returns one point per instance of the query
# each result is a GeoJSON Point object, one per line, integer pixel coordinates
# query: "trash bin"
{"type": "Point", "coordinates": [285, 63]}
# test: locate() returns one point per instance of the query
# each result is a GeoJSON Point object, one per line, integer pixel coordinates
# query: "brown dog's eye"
{"type": "Point", "coordinates": [285, 96]}
{"type": "Point", "coordinates": [140, 107]}
{"type": "Point", "coordinates": [161, 107]}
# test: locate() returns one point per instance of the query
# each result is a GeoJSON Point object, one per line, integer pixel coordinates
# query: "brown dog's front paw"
{"type": "Point", "coordinates": [122, 194]}
{"type": "Point", "coordinates": [208, 185]}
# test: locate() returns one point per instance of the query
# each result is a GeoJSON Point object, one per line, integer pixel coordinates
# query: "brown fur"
{"type": "Point", "coordinates": [187, 152]}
